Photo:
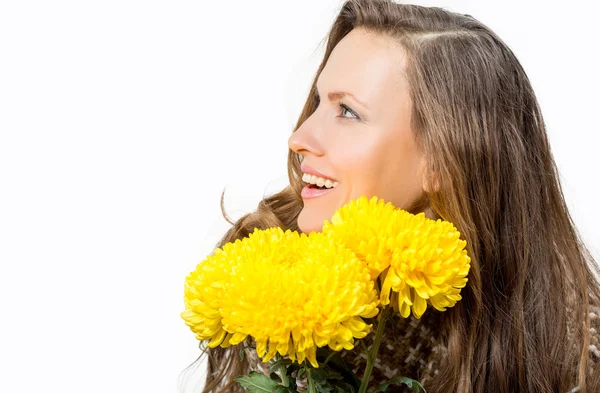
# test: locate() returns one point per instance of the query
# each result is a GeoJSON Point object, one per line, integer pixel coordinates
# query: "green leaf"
{"type": "Point", "coordinates": [281, 389]}
{"type": "Point", "coordinates": [256, 382]}
{"type": "Point", "coordinates": [338, 366]}
{"type": "Point", "coordinates": [301, 372]}
{"type": "Point", "coordinates": [317, 374]}
{"type": "Point", "coordinates": [318, 377]}
{"type": "Point", "coordinates": [411, 383]}
{"type": "Point", "coordinates": [323, 388]}
{"type": "Point", "coordinates": [333, 374]}
{"type": "Point", "coordinates": [275, 377]}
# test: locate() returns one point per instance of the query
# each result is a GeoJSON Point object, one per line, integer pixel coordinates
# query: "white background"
{"type": "Point", "coordinates": [122, 121]}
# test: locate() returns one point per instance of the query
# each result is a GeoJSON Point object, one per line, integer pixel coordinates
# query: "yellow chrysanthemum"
{"type": "Point", "coordinates": [429, 265]}
{"type": "Point", "coordinates": [366, 226]}
{"type": "Point", "coordinates": [421, 260]}
{"type": "Point", "coordinates": [291, 292]}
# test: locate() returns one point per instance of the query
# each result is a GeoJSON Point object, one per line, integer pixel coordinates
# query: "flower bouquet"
{"type": "Point", "coordinates": [305, 298]}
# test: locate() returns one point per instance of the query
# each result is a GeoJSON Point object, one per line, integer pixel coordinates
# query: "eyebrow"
{"type": "Point", "coordinates": [335, 95]}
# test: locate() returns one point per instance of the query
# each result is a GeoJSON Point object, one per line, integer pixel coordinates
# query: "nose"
{"type": "Point", "coordinates": [304, 140]}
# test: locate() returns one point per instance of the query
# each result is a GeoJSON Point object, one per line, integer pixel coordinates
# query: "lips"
{"type": "Point", "coordinates": [311, 191]}
{"type": "Point", "coordinates": [312, 171]}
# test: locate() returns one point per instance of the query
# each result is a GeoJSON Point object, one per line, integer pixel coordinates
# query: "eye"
{"type": "Point", "coordinates": [345, 108]}
{"type": "Point", "coordinates": [342, 107]}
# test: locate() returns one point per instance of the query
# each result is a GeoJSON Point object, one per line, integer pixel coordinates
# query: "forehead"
{"type": "Point", "coordinates": [367, 65]}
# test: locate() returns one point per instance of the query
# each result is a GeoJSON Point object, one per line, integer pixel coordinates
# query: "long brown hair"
{"type": "Point", "coordinates": [522, 325]}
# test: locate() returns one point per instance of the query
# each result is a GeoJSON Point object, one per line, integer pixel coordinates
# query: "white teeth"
{"type": "Point", "coordinates": [319, 181]}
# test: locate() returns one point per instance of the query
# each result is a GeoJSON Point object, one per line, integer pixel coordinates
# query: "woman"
{"type": "Point", "coordinates": [441, 118]}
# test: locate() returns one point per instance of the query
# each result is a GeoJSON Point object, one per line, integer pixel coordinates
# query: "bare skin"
{"type": "Point", "coordinates": [370, 150]}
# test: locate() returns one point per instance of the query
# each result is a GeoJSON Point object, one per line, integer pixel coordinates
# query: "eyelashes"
{"type": "Point", "coordinates": [341, 107]}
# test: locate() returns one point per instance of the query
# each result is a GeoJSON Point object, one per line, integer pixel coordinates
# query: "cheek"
{"type": "Point", "coordinates": [362, 164]}
{"type": "Point", "coordinates": [400, 178]}
{"type": "Point", "coordinates": [387, 168]}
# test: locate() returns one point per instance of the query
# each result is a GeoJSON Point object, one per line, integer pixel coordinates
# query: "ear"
{"type": "Point", "coordinates": [430, 181]}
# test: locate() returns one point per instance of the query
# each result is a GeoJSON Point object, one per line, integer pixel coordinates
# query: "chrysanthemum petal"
{"type": "Point", "coordinates": [237, 338]}
{"type": "Point", "coordinates": [420, 304]}
{"type": "Point", "coordinates": [311, 355]}
{"type": "Point", "coordinates": [217, 339]}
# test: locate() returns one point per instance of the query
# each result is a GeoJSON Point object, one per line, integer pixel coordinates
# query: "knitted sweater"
{"type": "Point", "coordinates": [411, 348]}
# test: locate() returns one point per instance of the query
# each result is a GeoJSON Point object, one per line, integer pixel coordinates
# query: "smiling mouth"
{"type": "Point", "coordinates": [319, 188]}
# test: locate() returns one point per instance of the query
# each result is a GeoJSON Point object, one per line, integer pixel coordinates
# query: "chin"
{"type": "Point", "coordinates": [309, 224]}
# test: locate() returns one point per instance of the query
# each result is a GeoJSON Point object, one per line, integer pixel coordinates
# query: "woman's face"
{"type": "Point", "coordinates": [367, 149]}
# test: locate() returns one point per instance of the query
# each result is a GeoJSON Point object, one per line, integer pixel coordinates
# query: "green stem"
{"type": "Point", "coordinates": [374, 349]}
